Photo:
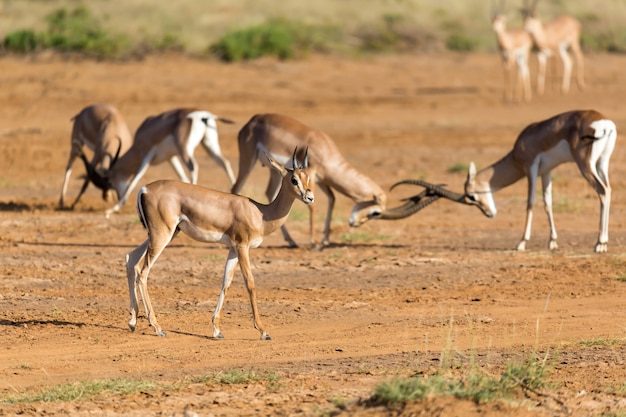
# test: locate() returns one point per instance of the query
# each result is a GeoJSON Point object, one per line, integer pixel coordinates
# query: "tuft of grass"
{"type": "Point", "coordinates": [362, 237]}
{"type": "Point", "coordinates": [458, 167]}
{"type": "Point", "coordinates": [236, 377]}
{"type": "Point", "coordinates": [602, 341]}
{"type": "Point", "coordinates": [84, 390]}
{"type": "Point", "coordinates": [526, 375]}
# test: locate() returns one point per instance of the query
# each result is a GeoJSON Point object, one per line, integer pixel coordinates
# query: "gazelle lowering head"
{"type": "Point", "coordinates": [168, 207]}
{"type": "Point", "coordinates": [585, 137]}
{"type": "Point", "coordinates": [170, 136]}
{"type": "Point", "coordinates": [276, 135]}
{"type": "Point", "coordinates": [101, 128]}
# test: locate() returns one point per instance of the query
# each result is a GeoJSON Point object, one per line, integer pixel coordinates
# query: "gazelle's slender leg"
{"type": "Point", "coordinates": [245, 168]}
{"type": "Point", "coordinates": [546, 182]}
{"type": "Point", "coordinates": [215, 152]}
{"type": "Point", "coordinates": [580, 66]}
{"type": "Point", "coordinates": [532, 186]}
{"type": "Point", "coordinates": [599, 180]}
{"type": "Point", "coordinates": [133, 259]}
{"type": "Point", "coordinates": [180, 170]}
{"type": "Point", "coordinates": [66, 179]}
{"type": "Point", "coordinates": [229, 273]}
{"type": "Point", "coordinates": [524, 75]}
{"type": "Point", "coordinates": [541, 72]}
{"type": "Point", "coordinates": [567, 69]}
{"type": "Point", "coordinates": [158, 240]}
{"type": "Point", "coordinates": [331, 205]}
{"type": "Point", "coordinates": [244, 264]}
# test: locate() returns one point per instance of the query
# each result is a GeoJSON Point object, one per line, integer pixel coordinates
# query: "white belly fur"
{"type": "Point", "coordinates": [553, 157]}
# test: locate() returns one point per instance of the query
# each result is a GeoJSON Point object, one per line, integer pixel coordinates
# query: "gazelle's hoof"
{"type": "Point", "coordinates": [218, 336]}
{"type": "Point", "coordinates": [160, 333]}
{"type": "Point", "coordinates": [266, 337]}
{"type": "Point", "coordinates": [601, 247]}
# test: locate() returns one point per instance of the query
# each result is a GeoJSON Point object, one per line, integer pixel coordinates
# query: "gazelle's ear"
{"type": "Point", "coordinates": [275, 165]}
{"type": "Point", "coordinates": [471, 174]}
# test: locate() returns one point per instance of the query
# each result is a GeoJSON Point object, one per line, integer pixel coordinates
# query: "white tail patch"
{"type": "Point", "coordinates": [603, 128]}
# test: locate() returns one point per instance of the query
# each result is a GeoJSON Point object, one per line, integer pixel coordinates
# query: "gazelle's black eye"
{"type": "Point", "coordinates": [294, 180]}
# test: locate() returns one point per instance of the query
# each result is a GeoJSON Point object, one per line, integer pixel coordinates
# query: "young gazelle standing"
{"type": "Point", "coordinates": [167, 207]}
{"type": "Point", "coordinates": [514, 46]}
{"type": "Point", "coordinates": [101, 128]}
{"type": "Point", "coordinates": [586, 137]}
{"type": "Point", "coordinates": [557, 36]}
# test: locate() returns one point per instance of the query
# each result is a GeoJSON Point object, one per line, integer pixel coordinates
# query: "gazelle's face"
{"type": "Point", "coordinates": [480, 193]}
{"type": "Point", "coordinates": [483, 198]}
{"type": "Point", "coordinates": [499, 22]}
{"type": "Point", "coordinates": [365, 210]}
{"type": "Point", "coordinates": [301, 183]}
{"type": "Point", "coordinates": [532, 24]}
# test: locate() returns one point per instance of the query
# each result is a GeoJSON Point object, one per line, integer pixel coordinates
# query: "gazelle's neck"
{"type": "Point", "coordinates": [275, 214]}
{"type": "Point", "coordinates": [501, 174]}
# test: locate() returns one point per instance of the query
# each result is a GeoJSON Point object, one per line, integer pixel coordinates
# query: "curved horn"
{"type": "Point", "coordinates": [294, 162]}
{"type": "Point", "coordinates": [412, 206]}
{"type": "Point", "coordinates": [305, 163]}
{"type": "Point", "coordinates": [437, 190]}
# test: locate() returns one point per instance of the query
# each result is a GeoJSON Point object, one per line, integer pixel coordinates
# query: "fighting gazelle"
{"type": "Point", "coordinates": [167, 207]}
{"type": "Point", "coordinates": [557, 36]}
{"type": "Point", "coordinates": [101, 128]}
{"type": "Point", "coordinates": [172, 136]}
{"type": "Point", "coordinates": [586, 137]}
{"type": "Point", "coordinates": [276, 135]}
{"type": "Point", "coordinates": [515, 46]}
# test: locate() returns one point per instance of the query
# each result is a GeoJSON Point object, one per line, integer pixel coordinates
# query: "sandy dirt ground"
{"type": "Point", "coordinates": [436, 293]}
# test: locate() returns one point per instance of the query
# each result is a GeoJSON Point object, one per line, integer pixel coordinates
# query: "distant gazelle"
{"type": "Point", "coordinates": [586, 137]}
{"type": "Point", "coordinates": [101, 128]}
{"type": "Point", "coordinates": [276, 135]}
{"type": "Point", "coordinates": [167, 207]}
{"type": "Point", "coordinates": [170, 136]}
{"type": "Point", "coordinates": [557, 36]}
{"type": "Point", "coordinates": [515, 46]}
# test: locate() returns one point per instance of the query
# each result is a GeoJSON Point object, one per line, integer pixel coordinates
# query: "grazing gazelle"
{"type": "Point", "coordinates": [276, 135]}
{"type": "Point", "coordinates": [557, 36]}
{"type": "Point", "coordinates": [101, 128]}
{"type": "Point", "coordinates": [586, 137]}
{"type": "Point", "coordinates": [167, 207]}
{"type": "Point", "coordinates": [171, 136]}
{"type": "Point", "coordinates": [514, 46]}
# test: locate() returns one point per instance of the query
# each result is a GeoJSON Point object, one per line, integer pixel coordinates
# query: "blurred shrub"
{"type": "Point", "coordinates": [277, 38]}
{"type": "Point", "coordinates": [69, 31]}
{"type": "Point", "coordinates": [22, 41]}
{"type": "Point", "coordinates": [280, 38]}
{"type": "Point", "coordinates": [460, 42]}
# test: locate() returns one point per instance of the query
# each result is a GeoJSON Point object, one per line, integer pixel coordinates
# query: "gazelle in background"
{"type": "Point", "coordinates": [514, 46]}
{"type": "Point", "coordinates": [168, 207]}
{"type": "Point", "coordinates": [586, 137]}
{"type": "Point", "coordinates": [275, 135]}
{"type": "Point", "coordinates": [557, 36]}
{"type": "Point", "coordinates": [101, 128]}
{"type": "Point", "coordinates": [171, 136]}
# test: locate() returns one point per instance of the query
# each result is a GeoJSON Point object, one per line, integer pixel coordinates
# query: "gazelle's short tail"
{"type": "Point", "coordinates": [140, 213]}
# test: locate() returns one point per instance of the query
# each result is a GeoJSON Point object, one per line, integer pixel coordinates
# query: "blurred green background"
{"type": "Point", "coordinates": [245, 29]}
